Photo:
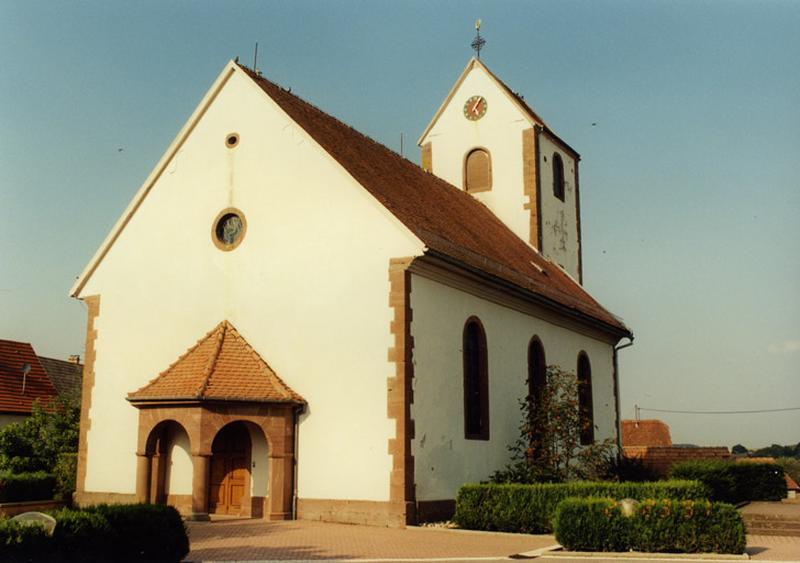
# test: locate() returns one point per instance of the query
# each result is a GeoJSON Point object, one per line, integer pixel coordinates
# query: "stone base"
{"type": "Point", "coordinates": [366, 512]}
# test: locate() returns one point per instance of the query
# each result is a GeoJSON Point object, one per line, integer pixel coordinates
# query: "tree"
{"type": "Point", "coordinates": [739, 449]}
{"type": "Point", "coordinates": [548, 448]}
{"type": "Point", "coordinates": [35, 443]}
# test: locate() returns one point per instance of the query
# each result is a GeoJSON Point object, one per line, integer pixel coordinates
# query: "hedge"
{"type": "Point", "coordinates": [17, 487]}
{"type": "Point", "coordinates": [734, 482]}
{"type": "Point", "coordinates": [530, 508]}
{"type": "Point", "coordinates": [124, 532]}
{"type": "Point", "coordinates": [65, 471]}
{"type": "Point", "coordinates": [672, 526]}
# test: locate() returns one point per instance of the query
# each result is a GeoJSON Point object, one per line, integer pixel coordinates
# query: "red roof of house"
{"type": "Point", "coordinates": [449, 221]}
{"type": "Point", "coordinates": [17, 391]}
{"type": "Point", "coordinates": [645, 433]}
{"type": "Point", "coordinates": [221, 366]}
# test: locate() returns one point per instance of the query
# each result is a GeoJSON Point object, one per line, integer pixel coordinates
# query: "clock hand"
{"type": "Point", "coordinates": [474, 109]}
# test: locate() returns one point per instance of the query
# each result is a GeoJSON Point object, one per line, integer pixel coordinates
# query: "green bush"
{"type": "Point", "coordinates": [20, 543]}
{"type": "Point", "coordinates": [623, 468]}
{"type": "Point", "coordinates": [65, 470]}
{"type": "Point", "coordinates": [82, 536]}
{"type": "Point", "coordinates": [734, 482]}
{"type": "Point", "coordinates": [530, 508]}
{"type": "Point", "coordinates": [674, 526]}
{"type": "Point", "coordinates": [17, 487]}
{"type": "Point", "coordinates": [143, 532]}
{"type": "Point", "coordinates": [124, 532]}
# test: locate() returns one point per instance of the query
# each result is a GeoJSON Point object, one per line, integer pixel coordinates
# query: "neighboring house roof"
{"type": "Point", "coordinates": [65, 376]}
{"type": "Point", "coordinates": [645, 433]}
{"type": "Point", "coordinates": [18, 391]}
{"type": "Point", "coordinates": [515, 98]}
{"type": "Point", "coordinates": [448, 220]}
{"type": "Point", "coordinates": [221, 366]}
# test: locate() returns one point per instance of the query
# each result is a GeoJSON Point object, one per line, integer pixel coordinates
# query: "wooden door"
{"type": "Point", "coordinates": [230, 470]}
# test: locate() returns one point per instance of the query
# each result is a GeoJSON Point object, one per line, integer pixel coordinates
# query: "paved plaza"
{"type": "Point", "coordinates": [300, 540]}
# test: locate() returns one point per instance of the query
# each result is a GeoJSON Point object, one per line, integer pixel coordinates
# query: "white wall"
{"type": "Point", "coordinates": [179, 465]}
{"type": "Point", "coordinates": [443, 459]}
{"type": "Point", "coordinates": [559, 218]}
{"type": "Point", "coordinates": [500, 132]}
{"type": "Point", "coordinates": [307, 288]}
{"type": "Point", "coordinates": [259, 463]}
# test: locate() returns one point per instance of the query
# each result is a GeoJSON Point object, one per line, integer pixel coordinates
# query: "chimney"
{"type": "Point", "coordinates": [74, 359]}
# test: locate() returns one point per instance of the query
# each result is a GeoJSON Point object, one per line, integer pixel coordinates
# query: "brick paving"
{"type": "Point", "coordinates": [258, 540]}
{"type": "Point", "coordinates": [774, 548]}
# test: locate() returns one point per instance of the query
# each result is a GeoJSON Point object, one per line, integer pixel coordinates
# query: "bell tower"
{"type": "Point", "coordinates": [486, 140]}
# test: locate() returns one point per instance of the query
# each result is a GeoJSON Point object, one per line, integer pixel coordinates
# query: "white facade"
{"type": "Point", "coordinates": [444, 460]}
{"type": "Point", "coordinates": [306, 289]}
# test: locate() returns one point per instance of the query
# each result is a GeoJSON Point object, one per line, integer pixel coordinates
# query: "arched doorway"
{"type": "Point", "coordinates": [229, 482]}
{"type": "Point", "coordinates": [169, 471]}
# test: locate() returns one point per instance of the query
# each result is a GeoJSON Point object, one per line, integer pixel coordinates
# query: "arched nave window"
{"type": "Point", "coordinates": [585, 408]}
{"type": "Point", "coordinates": [476, 381]}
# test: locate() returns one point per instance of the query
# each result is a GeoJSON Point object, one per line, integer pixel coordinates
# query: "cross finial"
{"type": "Point", "coordinates": [479, 41]}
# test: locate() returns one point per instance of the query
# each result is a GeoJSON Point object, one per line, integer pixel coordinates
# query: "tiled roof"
{"type": "Point", "coordinates": [65, 376]}
{"type": "Point", "coordinates": [448, 221]}
{"type": "Point", "coordinates": [221, 366]}
{"type": "Point", "coordinates": [645, 433]}
{"type": "Point", "coordinates": [13, 356]}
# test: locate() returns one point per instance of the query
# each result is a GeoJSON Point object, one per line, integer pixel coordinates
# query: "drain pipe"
{"type": "Point", "coordinates": [616, 393]}
{"type": "Point", "coordinates": [297, 411]}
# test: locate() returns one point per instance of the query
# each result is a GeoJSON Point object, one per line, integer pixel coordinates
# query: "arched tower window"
{"type": "Point", "coordinates": [478, 171]}
{"type": "Point", "coordinates": [585, 408]}
{"type": "Point", "coordinates": [476, 381]}
{"type": "Point", "coordinates": [558, 176]}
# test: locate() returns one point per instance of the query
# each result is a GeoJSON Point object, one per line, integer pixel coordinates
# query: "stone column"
{"type": "Point", "coordinates": [281, 473]}
{"type": "Point", "coordinates": [142, 477]}
{"type": "Point", "coordinates": [201, 465]}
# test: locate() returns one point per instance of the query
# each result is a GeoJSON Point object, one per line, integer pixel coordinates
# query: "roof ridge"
{"type": "Point", "coordinates": [221, 329]}
{"type": "Point", "coordinates": [411, 194]}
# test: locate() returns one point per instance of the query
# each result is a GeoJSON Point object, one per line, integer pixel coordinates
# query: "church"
{"type": "Point", "coordinates": [290, 320]}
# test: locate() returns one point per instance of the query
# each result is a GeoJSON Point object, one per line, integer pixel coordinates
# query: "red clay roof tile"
{"type": "Point", "coordinates": [221, 366]}
{"type": "Point", "coordinates": [645, 433]}
{"type": "Point", "coordinates": [447, 220]}
{"type": "Point", "coordinates": [13, 355]}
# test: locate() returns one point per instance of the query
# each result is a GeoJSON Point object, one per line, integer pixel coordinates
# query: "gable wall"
{"type": "Point", "coordinates": [559, 219]}
{"type": "Point", "coordinates": [308, 289]}
{"type": "Point", "coordinates": [443, 459]}
{"type": "Point", "coordinates": [500, 132]}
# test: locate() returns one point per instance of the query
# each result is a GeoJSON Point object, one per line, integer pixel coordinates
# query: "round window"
{"type": "Point", "coordinates": [228, 229]}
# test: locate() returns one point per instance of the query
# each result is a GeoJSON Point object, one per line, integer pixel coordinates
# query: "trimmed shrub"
{"type": "Point", "coordinates": [734, 482]}
{"type": "Point", "coordinates": [672, 526]}
{"type": "Point", "coordinates": [65, 470]}
{"type": "Point", "coordinates": [20, 543]}
{"type": "Point", "coordinates": [530, 508]}
{"type": "Point", "coordinates": [82, 536]}
{"type": "Point", "coordinates": [143, 532]}
{"type": "Point", "coordinates": [123, 532]}
{"type": "Point", "coordinates": [18, 487]}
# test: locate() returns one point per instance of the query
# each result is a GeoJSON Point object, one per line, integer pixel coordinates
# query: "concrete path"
{"type": "Point", "coordinates": [257, 540]}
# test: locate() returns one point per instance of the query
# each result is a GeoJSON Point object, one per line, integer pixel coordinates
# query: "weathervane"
{"type": "Point", "coordinates": [479, 41]}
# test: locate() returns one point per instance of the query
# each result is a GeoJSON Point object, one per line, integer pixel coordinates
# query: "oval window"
{"type": "Point", "coordinates": [229, 229]}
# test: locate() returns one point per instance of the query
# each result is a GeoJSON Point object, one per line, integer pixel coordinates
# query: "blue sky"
{"type": "Point", "coordinates": [689, 179]}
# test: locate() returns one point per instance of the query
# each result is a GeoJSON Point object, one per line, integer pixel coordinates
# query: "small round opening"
{"type": "Point", "coordinates": [231, 140]}
{"type": "Point", "coordinates": [229, 228]}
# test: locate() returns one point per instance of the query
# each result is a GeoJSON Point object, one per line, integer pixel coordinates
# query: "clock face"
{"type": "Point", "coordinates": [475, 108]}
